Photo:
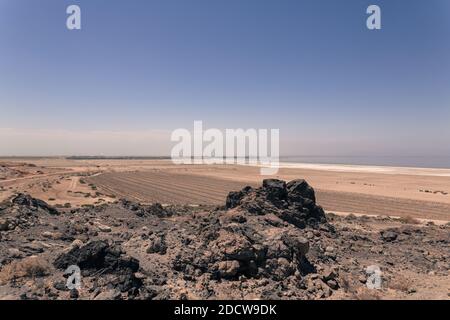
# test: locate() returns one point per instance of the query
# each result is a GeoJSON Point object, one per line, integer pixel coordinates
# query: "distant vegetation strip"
{"type": "Point", "coordinates": [117, 158]}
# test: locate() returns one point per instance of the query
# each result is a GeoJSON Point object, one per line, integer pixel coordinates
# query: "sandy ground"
{"type": "Point", "coordinates": [405, 192]}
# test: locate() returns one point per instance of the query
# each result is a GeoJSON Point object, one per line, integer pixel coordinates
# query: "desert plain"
{"type": "Point", "coordinates": [150, 229]}
{"type": "Point", "coordinates": [389, 191]}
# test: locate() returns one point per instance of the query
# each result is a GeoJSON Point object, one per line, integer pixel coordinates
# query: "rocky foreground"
{"type": "Point", "coordinates": [273, 242]}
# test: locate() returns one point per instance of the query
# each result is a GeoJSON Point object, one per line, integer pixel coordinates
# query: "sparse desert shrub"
{"type": "Point", "coordinates": [331, 216]}
{"type": "Point", "coordinates": [29, 267]}
{"type": "Point", "coordinates": [400, 283]}
{"type": "Point", "coordinates": [346, 283]}
{"type": "Point", "coordinates": [409, 220]}
{"type": "Point", "coordinates": [365, 294]}
{"type": "Point", "coordinates": [350, 216]}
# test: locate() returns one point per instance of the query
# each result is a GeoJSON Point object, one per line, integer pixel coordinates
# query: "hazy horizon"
{"type": "Point", "coordinates": [439, 162]}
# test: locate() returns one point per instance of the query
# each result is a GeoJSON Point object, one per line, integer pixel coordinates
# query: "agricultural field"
{"type": "Point", "coordinates": [174, 187]}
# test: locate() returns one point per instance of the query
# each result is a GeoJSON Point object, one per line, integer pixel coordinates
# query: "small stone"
{"type": "Point", "coordinates": [362, 279]}
{"type": "Point", "coordinates": [15, 253]}
{"type": "Point", "coordinates": [157, 245]}
{"type": "Point", "coordinates": [314, 276]}
{"type": "Point", "coordinates": [326, 292]}
{"type": "Point", "coordinates": [389, 235]}
{"type": "Point", "coordinates": [77, 243]}
{"type": "Point", "coordinates": [333, 284]}
{"type": "Point", "coordinates": [61, 286]}
{"type": "Point", "coordinates": [74, 294]}
{"type": "Point", "coordinates": [4, 225]}
{"type": "Point", "coordinates": [228, 269]}
{"type": "Point", "coordinates": [103, 228]}
{"type": "Point", "coordinates": [376, 249]}
{"type": "Point", "coordinates": [52, 235]}
{"type": "Point", "coordinates": [329, 274]}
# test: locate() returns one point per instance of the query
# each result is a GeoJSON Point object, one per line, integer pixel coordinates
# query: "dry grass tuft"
{"type": "Point", "coordinates": [400, 283]}
{"type": "Point", "coordinates": [30, 267]}
{"type": "Point", "coordinates": [366, 294]}
{"type": "Point", "coordinates": [408, 220]}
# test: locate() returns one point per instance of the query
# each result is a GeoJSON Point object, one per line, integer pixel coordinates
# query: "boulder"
{"type": "Point", "coordinates": [275, 189]}
{"type": "Point", "coordinates": [300, 188]}
{"type": "Point", "coordinates": [293, 202]}
{"type": "Point", "coordinates": [96, 255]}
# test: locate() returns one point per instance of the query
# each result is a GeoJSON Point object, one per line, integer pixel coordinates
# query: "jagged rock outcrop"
{"type": "Point", "coordinates": [293, 202]}
{"type": "Point", "coordinates": [23, 211]}
{"type": "Point", "coordinates": [99, 256]}
{"type": "Point", "coordinates": [259, 234]}
{"type": "Point", "coordinates": [26, 201]}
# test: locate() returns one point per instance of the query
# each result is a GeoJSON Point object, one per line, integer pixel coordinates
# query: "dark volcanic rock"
{"type": "Point", "coordinates": [158, 210]}
{"type": "Point", "coordinates": [97, 255]}
{"type": "Point", "coordinates": [275, 189]}
{"type": "Point", "coordinates": [389, 235]}
{"type": "Point", "coordinates": [294, 202]}
{"type": "Point", "coordinates": [234, 197]}
{"type": "Point", "coordinates": [298, 189]}
{"type": "Point", "coordinates": [155, 209]}
{"type": "Point", "coordinates": [257, 235]}
{"type": "Point", "coordinates": [27, 201]}
{"type": "Point", "coordinates": [74, 294]}
{"type": "Point", "coordinates": [157, 245]}
{"type": "Point", "coordinates": [23, 211]}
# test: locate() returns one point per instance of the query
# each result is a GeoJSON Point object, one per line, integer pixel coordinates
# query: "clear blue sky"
{"type": "Point", "coordinates": [310, 68]}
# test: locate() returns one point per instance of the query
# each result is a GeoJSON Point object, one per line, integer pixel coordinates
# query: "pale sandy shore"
{"type": "Point", "coordinates": [422, 193]}
{"type": "Point", "coordinates": [436, 172]}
